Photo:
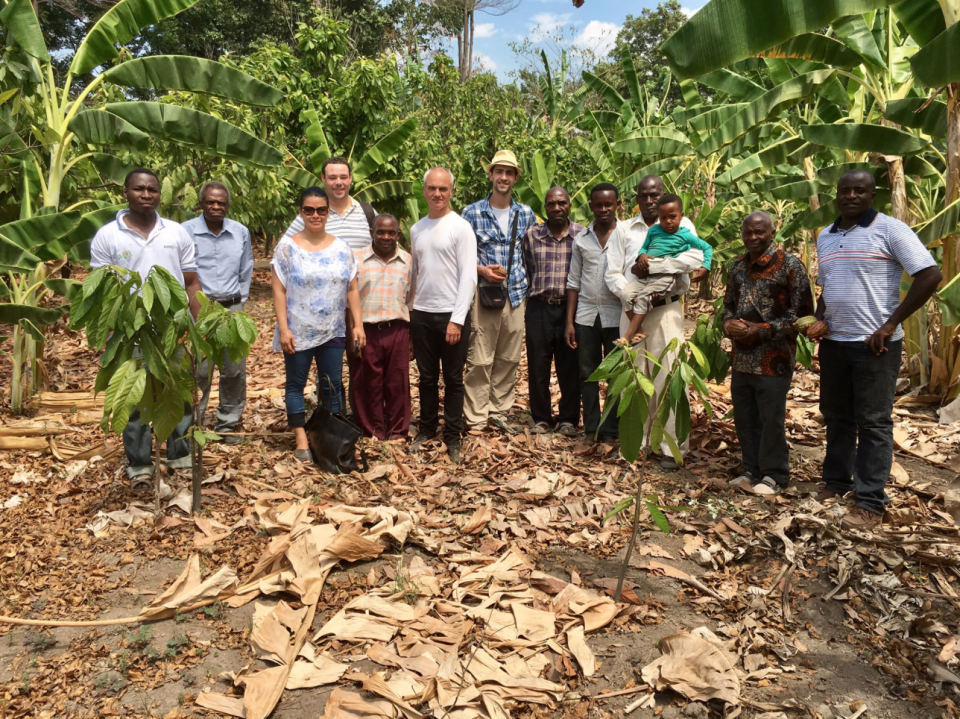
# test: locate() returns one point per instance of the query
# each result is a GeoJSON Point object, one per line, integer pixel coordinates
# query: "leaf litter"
{"type": "Point", "coordinates": [463, 609]}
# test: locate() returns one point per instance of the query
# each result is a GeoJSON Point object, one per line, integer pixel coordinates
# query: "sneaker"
{"type": "Point", "coordinates": [419, 440]}
{"type": "Point", "coordinates": [540, 428]}
{"type": "Point", "coordinates": [567, 429]}
{"type": "Point", "coordinates": [453, 451]}
{"type": "Point", "coordinates": [744, 482]}
{"type": "Point", "coordinates": [668, 463]}
{"type": "Point", "coordinates": [862, 519]}
{"type": "Point", "coordinates": [767, 487]}
{"type": "Point", "coordinates": [233, 440]}
{"type": "Point", "coordinates": [498, 422]}
{"type": "Point", "coordinates": [824, 494]}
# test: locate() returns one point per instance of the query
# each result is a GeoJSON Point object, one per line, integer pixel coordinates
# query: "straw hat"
{"type": "Point", "coordinates": [504, 158]}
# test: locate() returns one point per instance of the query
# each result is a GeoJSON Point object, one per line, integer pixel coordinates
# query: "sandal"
{"type": "Point", "coordinates": [141, 484]}
{"type": "Point", "coordinates": [767, 487]}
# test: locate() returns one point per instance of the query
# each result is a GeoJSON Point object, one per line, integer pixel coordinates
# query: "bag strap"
{"type": "Point", "coordinates": [513, 235]}
{"type": "Point", "coordinates": [369, 213]}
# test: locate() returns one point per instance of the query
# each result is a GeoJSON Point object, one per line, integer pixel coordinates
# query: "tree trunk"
{"type": "Point", "coordinates": [470, 53]}
{"type": "Point", "coordinates": [951, 245]}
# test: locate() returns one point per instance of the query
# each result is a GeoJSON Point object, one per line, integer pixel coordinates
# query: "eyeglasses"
{"type": "Point", "coordinates": [318, 211]}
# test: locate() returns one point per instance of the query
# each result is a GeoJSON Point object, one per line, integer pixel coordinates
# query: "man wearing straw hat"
{"type": "Point", "coordinates": [496, 338]}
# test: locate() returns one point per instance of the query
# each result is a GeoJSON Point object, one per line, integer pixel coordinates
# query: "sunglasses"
{"type": "Point", "coordinates": [318, 211]}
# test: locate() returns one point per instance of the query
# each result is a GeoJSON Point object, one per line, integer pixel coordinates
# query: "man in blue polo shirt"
{"type": "Point", "coordinates": [225, 265]}
{"type": "Point", "coordinates": [861, 257]}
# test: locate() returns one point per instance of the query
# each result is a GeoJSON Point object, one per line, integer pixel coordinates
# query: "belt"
{"type": "Point", "coordinates": [549, 300]}
{"type": "Point", "coordinates": [226, 301]}
{"type": "Point", "coordinates": [384, 325]}
{"type": "Point", "coordinates": [666, 301]}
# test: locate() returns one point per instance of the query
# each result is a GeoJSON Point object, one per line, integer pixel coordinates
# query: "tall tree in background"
{"type": "Point", "coordinates": [465, 27]}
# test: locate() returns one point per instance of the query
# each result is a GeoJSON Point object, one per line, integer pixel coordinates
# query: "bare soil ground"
{"type": "Point", "coordinates": [801, 650]}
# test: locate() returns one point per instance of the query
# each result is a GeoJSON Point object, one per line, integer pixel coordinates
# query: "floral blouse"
{"type": "Point", "coordinates": [316, 284]}
{"type": "Point", "coordinates": [772, 293]}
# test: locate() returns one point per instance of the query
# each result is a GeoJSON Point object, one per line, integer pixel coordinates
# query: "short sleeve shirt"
{"type": "Point", "coordinates": [168, 246]}
{"type": "Point", "coordinates": [316, 285]}
{"type": "Point", "coordinates": [860, 270]}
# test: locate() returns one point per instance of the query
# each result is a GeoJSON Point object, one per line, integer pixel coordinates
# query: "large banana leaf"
{"type": "Point", "coordinates": [768, 157]}
{"type": "Point", "coordinates": [660, 167]}
{"type": "Point", "coordinates": [943, 224]}
{"type": "Point", "coordinates": [948, 301]}
{"type": "Point", "coordinates": [864, 138]}
{"type": "Point", "coordinates": [15, 258]}
{"type": "Point", "coordinates": [856, 35]}
{"type": "Point", "coordinates": [713, 118]}
{"type": "Point", "coordinates": [316, 140]}
{"type": "Point", "coordinates": [20, 20]}
{"type": "Point", "coordinates": [796, 190]}
{"type": "Point", "coordinates": [726, 31]}
{"type": "Point", "coordinates": [90, 223]}
{"type": "Point", "coordinates": [111, 166]}
{"type": "Point", "coordinates": [923, 19]}
{"type": "Point", "coordinates": [11, 314]}
{"type": "Point", "coordinates": [97, 127]}
{"type": "Point", "coordinates": [733, 84]}
{"type": "Point", "coordinates": [931, 120]}
{"type": "Point", "coordinates": [815, 48]}
{"type": "Point", "coordinates": [604, 89]}
{"type": "Point", "coordinates": [70, 289]}
{"type": "Point", "coordinates": [118, 26]}
{"type": "Point", "coordinates": [384, 149]}
{"type": "Point", "coordinates": [652, 146]}
{"type": "Point", "coordinates": [196, 129]}
{"type": "Point", "coordinates": [938, 63]}
{"type": "Point", "coordinates": [768, 105]}
{"type": "Point", "coordinates": [40, 234]}
{"type": "Point", "coordinates": [302, 178]}
{"type": "Point", "coordinates": [384, 190]}
{"type": "Point", "coordinates": [630, 73]}
{"type": "Point", "coordinates": [176, 72]}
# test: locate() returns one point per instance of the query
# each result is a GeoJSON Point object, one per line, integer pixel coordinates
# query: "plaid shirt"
{"type": "Point", "coordinates": [493, 247]}
{"type": "Point", "coordinates": [547, 259]}
{"type": "Point", "coordinates": [386, 288]}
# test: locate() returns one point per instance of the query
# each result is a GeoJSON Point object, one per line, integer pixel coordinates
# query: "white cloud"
{"type": "Point", "coordinates": [690, 12]}
{"type": "Point", "coordinates": [484, 62]}
{"type": "Point", "coordinates": [484, 29]}
{"type": "Point", "coordinates": [543, 23]}
{"type": "Point", "coordinates": [598, 36]}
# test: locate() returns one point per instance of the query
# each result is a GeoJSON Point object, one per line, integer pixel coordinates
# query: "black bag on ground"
{"type": "Point", "coordinates": [332, 438]}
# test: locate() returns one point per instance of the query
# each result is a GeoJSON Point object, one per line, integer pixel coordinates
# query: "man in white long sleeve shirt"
{"type": "Point", "coordinates": [444, 250]}
{"type": "Point", "coordinates": [665, 320]}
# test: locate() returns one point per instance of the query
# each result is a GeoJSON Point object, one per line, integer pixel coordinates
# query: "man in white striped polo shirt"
{"type": "Point", "coordinates": [861, 257]}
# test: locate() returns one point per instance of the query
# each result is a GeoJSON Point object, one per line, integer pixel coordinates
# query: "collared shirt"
{"type": "Point", "coordinates": [351, 227]}
{"type": "Point", "coordinates": [224, 261]}
{"type": "Point", "coordinates": [386, 288]}
{"type": "Point", "coordinates": [772, 293]}
{"type": "Point", "coordinates": [493, 246]}
{"type": "Point", "coordinates": [860, 270]}
{"type": "Point", "coordinates": [624, 250]}
{"type": "Point", "coordinates": [588, 265]}
{"type": "Point", "coordinates": [168, 246]}
{"type": "Point", "coordinates": [547, 259]}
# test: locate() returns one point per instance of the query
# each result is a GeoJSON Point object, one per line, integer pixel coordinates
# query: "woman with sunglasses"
{"type": "Point", "coordinates": [314, 281]}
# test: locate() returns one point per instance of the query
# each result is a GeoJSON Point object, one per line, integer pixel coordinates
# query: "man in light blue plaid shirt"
{"type": "Point", "coordinates": [496, 339]}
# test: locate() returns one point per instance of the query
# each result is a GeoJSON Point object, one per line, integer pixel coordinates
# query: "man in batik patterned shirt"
{"type": "Point", "coordinates": [767, 291]}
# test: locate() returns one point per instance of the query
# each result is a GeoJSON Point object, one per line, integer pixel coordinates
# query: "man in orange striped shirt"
{"type": "Point", "coordinates": [381, 374]}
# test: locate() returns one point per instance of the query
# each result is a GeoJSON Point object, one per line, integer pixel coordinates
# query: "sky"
{"type": "Point", "coordinates": [595, 25]}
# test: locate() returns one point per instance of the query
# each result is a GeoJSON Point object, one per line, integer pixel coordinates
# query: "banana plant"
{"type": "Point", "coordinates": [539, 176]}
{"type": "Point", "coordinates": [375, 157]}
{"type": "Point", "coordinates": [70, 121]}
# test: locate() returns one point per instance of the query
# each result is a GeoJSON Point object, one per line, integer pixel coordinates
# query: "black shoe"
{"type": "Point", "coordinates": [233, 440]}
{"type": "Point", "coordinates": [453, 451]}
{"type": "Point", "coordinates": [420, 439]}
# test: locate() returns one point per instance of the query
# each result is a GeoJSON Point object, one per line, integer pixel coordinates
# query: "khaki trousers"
{"type": "Point", "coordinates": [660, 326]}
{"type": "Point", "coordinates": [490, 378]}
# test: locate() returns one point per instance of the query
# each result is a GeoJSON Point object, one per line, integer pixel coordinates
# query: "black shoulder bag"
{"type": "Point", "coordinates": [494, 295]}
{"type": "Point", "coordinates": [332, 438]}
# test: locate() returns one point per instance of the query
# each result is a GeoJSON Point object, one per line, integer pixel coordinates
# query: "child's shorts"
{"type": "Point", "coordinates": [641, 292]}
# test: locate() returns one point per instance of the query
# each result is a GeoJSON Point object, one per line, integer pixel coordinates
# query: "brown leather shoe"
{"type": "Point", "coordinates": [824, 494]}
{"type": "Point", "coordinates": [861, 519]}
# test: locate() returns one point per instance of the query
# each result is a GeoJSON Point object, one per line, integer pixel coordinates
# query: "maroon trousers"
{"type": "Point", "coordinates": [380, 381]}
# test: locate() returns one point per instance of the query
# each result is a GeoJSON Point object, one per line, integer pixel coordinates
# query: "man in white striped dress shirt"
{"type": "Point", "coordinates": [861, 258]}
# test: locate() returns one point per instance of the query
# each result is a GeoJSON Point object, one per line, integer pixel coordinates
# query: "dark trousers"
{"type": "Point", "coordinates": [380, 382]}
{"type": "Point", "coordinates": [546, 345]}
{"type": "Point", "coordinates": [433, 354]}
{"type": "Point", "coordinates": [759, 411]}
{"type": "Point", "coordinates": [593, 344]}
{"type": "Point", "coordinates": [856, 399]}
{"type": "Point", "coordinates": [329, 362]}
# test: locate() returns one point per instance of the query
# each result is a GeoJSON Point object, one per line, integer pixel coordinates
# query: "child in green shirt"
{"type": "Point", "coordinates": [668, 239]}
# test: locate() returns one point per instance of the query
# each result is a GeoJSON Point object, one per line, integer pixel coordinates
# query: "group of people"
{"type": "Point", "coordinates": [473, 286]}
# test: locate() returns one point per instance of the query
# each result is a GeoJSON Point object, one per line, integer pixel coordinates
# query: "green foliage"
{"type": "Point", "coordinates": [708, 337]}
{"type": "Point", "coordinates": [150, 343]}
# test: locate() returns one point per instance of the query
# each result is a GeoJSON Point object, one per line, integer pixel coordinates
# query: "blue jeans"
{"type": "Point", "coordinates": [856, 398]}
{"type": "Point", "coordinates": [330, 363]}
